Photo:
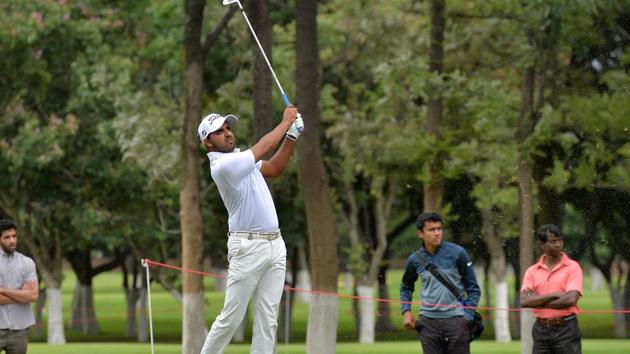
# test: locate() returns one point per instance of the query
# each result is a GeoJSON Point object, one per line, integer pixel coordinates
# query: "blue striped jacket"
{"type": "Point", "coordinates": [436, 300]}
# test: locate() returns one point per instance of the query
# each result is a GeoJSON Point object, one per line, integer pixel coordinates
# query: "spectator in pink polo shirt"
{"type": "Point", "coordinates": [553, 287]}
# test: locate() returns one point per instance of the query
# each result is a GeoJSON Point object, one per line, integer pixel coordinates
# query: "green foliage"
{"type": "Point", "coordinates": [593, 132]}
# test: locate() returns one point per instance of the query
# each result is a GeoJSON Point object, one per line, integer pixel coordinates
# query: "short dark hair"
{"type": "Point", "coordinates": [428, 216]}
{"type": "Point", "coordinates": [7, 224]}
{"type": "Point", "coordinates": [544, 231]}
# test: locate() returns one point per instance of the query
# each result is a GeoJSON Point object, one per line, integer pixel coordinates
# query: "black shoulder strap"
{"type": "Point", "coordinates": [436, 273]}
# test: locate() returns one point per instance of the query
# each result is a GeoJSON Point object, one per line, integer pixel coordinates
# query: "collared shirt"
{"type": "Point", "coordinates": [566, 276]}
{"type": "Point", "coordinates": [15, 270]}
{"type": "Point", "coordinates": [453, 262]}
{"type": "Point", "coordinates": [244, 191]}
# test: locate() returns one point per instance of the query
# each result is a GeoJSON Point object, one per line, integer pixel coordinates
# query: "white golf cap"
{"type": "Point", "coordinates": [212, 122]}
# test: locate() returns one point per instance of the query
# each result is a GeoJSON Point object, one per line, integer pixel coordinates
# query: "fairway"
{"type": "Point", "coordinates": [590, 346]}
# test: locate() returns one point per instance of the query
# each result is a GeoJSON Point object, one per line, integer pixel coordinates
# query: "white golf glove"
{"type": "Point", "coordinates": [296, 128]}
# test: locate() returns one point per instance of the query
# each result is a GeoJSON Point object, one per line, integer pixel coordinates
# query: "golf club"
{"type": "Point", "coordinates": [284, 95]}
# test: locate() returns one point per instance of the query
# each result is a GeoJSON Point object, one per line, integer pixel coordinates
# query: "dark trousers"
{"type": "Point", "coordinates": [559, 339]}
{"type": "Point", "coordinates": [444, 335]}
{"type": "Point", "coordinates": [13, 342]}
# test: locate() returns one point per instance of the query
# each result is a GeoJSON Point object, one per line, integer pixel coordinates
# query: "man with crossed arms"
{"type": "Point", "coordinates": [256, 250]}
{"type": "Point", "coordinates": [553, 287]}
{"type": "Point", "coordinates": [18, 289]}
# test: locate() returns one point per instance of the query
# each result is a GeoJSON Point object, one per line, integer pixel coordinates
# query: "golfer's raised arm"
{"type": "Point", "coordinates": [279, 161]}
{"type": "Point", "coordinates": [269, 142]}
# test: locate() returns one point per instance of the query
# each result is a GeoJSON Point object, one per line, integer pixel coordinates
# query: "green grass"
{"type": "Point", "coordinates": [111, 312]}
{"type": "Point", "coordinates": [590, 346]}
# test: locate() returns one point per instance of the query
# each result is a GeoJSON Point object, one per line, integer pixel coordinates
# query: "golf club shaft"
{"type": "Point", "coordinates": [284, 95]}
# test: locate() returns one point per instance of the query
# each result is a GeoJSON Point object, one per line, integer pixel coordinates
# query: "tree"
{"type": "Point", "coordinates": [490, 156]}
{"type": "Point", "coordinates": [192, 258]}
{"type": "Point", "coordinates": [190, 213]}
{"type": "Point", "coordinates": [38, 120]}
{"type": "Point", "coordinates": [589, 128]}
{"type": "Point", "coordinates": [314, 188]}
{"type": "Point", "coordinates": [433, 182]}
{"type": "Point", "coordinates": [263, 108]}
{"type": "Point", "coordinates": [32, 201]}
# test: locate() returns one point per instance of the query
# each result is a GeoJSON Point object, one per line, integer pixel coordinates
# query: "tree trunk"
{"type": "Point", "coordinates": [434, 184]}
{"type": "Point", "coordinates": [132, 296]}
{"type": "Point", "coordinates": [597, 281]}
{"type": "Point", "coordinates": [263, 107]}
{"type": "Point", "coordinates": [83, 314]}
{"type": "Point", "coordinates": [56, 332]}
{"type": "Point", "coordinates": [356, 311]}
{"type": "Point", "coordinates": [284, 319]}
{"type": "Point", "coordinates": [136, 325]}
{"type": "Point", "coordinates": [620, 318]}
{"type": "Point", "coordinates": [525, 206]}
{"type": "Point", "coordinates": [142, 317]}
{"type": "Point", "coordinates": [286, 304]}
{"type": "Point", "coordinates": [381, 209]}
{"type": "Point", "coordinates": [498, 266]}
{"type": "Point", "coordinates": [303, 276]}
{"type": "Point", "coordinates": [383, 315]}
{"type": "Point", "coordinates": [617, 296]}
{"type": "Point", "coordinates": [321, 228]}
{"type": "Point", "coordinates": [384, 322]}
{"type": "Point", "coordinates": [366, 306]}
{"type": "Point", "coordinates": [591, 217]}
{"type": "Point", "coordinates": [130, 323]}
{"type": "Point", "coordinates": [323, 315]}
{"type": "Point", "coordinates": [356, 252]}
{"type": "Point", "coordinates": [193, 321]}
{"type": "Point", "coordinates": [142, 313]}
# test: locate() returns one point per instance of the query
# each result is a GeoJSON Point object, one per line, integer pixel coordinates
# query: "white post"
{"type": "Point", "coordinates": [146, 266]}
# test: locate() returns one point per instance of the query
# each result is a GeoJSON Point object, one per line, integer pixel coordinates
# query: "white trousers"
{"type": "Point", "coordinates": [258, 268]}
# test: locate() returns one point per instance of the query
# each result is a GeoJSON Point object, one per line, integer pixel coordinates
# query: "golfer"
{"type": "Point", "coordinates": [256, 250]}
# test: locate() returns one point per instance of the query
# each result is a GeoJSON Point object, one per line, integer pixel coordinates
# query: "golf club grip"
{"type": "Point", "coordinates": [301, 130]}
{"type": "Point", "coordinates": [287, 103]}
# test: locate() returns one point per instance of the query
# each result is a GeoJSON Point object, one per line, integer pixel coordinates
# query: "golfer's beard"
{"type": "Point", "coordinates": [228, 149]}
{"type": "Point", "coordinates": [8, 250]}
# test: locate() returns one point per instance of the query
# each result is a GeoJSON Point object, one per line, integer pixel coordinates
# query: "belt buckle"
{"type": "Point", "coordinates": [552, 322]}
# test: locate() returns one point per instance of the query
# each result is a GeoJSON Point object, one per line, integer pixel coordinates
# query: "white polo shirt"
{"type": "Point", "coordinates": [244, 191]}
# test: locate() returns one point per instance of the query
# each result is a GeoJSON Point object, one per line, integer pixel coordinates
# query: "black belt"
{"type": "Point", "coordinates": [556, 321]}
